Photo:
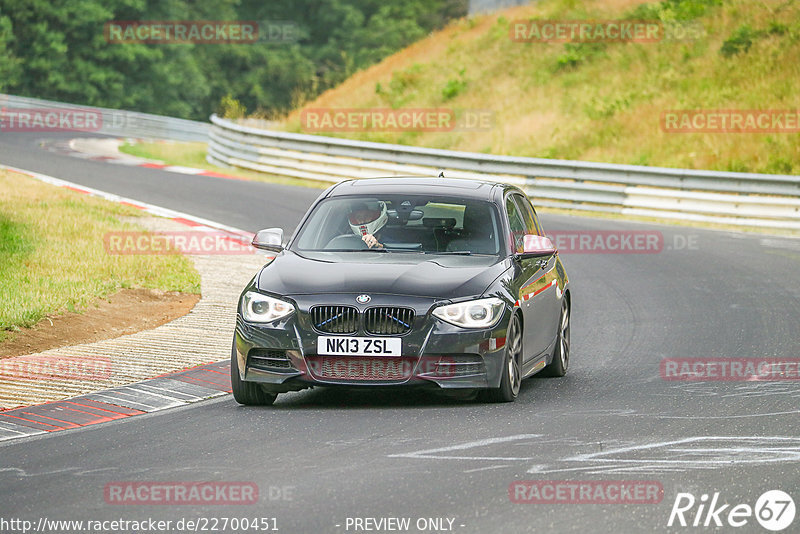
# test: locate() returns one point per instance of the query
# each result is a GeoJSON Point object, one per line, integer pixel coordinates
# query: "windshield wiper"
{"type": "Point", "coordinates": [352, 250]}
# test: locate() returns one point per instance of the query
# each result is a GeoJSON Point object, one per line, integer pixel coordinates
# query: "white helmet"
{"type": "Point", "coordinates": [364, 220]}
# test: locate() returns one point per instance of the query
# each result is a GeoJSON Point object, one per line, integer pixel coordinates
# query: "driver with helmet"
{"type": "Point", "coordinates": [366, 222]}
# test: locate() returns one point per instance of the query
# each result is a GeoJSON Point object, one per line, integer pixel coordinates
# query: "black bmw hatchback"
{"type": "Point", "coordinates": [405, 282]}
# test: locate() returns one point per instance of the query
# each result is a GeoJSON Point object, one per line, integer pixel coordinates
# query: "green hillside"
{"type": "Point", "coordinates": [599, 101]}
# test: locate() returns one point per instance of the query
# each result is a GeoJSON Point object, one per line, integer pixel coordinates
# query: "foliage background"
{"type": "Point", "coordinates": [55, 49]}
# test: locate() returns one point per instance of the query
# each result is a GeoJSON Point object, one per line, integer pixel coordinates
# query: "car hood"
{"type": "Point", "coordinates": [420, 275]}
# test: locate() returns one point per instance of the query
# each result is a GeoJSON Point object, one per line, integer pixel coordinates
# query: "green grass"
{"type": "Point", "coordinates": [53, 258]}
{"type": "Point", "coordinates": [193, 154]}
{"type": "Point", "coordinates": [597, 101]}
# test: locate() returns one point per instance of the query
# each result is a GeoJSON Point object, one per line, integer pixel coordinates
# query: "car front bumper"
{"type": "Point", "coordinates": [283, 355]}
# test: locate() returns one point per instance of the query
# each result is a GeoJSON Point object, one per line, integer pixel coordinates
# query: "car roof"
{"type": "Point", "coordinates": [458, 187]}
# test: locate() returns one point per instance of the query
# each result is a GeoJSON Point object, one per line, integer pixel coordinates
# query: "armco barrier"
{"type": "Point", "coordinates": [114, 121]}
{"type": "Point", "coordinates": [746, 199]}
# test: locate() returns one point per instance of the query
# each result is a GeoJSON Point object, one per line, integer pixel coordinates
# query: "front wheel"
{"type": "Point", "coordinates": [560, 363]}
{"type": "Point", "coordinates": [512, 373]}
{"type": "Point", "coordinates": [247, 393]}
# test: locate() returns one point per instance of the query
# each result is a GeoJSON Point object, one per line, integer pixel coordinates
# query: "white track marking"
{"type": "Point", "coordinates": [679, 456]}
{"type": "Point", "coordinates": [433, 453]}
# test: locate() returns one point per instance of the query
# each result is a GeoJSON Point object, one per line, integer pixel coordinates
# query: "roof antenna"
{"type": "Point", "coordinates": [441, 174]}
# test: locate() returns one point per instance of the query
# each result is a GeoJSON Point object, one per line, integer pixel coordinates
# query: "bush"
{"type": "Point", "coordinates": [576, 53]}
{"type": "Point", "coordinates": [740, 41]}
{"type": "Point", "coordinates": [454, 87]}
{"type": "Point", "coordinates": [230, 108]}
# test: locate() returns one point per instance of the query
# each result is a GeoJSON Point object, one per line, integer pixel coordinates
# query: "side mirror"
{"type": "Point", "coordinates": [270, 239]}
{"type": "Point", "coordinates": [536, 245]}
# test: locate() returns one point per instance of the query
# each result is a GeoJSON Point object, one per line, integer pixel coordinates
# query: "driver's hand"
{"type": "Point", "coordinates": [371, 241]}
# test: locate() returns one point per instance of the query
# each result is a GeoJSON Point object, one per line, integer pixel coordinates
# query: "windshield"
{"type": "Point", "coordinates": [401, 223]}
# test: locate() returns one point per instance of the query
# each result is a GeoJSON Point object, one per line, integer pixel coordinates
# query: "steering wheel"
{"type": "Point", "coordinates": [346, 241]}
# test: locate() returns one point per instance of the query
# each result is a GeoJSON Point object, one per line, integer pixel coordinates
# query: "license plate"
{"type": "Point", "coordinates": [359, 346]}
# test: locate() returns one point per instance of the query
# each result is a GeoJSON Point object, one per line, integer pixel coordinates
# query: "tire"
{"type": "Point", "coordinates": [512, 372]}
{"type": "Point", "coordinates": [247, 393]}
{"type": "Point", "coordinates": [560, 363]}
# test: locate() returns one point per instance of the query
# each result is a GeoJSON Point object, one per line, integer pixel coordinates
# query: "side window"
{"type": "Point", "coordinates": [536, 220]}
{"type": "Point", "coordinates": [516, 223]}
{"type": "Point", "coordinates": [529, 216]}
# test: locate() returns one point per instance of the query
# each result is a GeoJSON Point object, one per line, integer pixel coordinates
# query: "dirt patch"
{"type": "Point", "coordinates": [126, 312]}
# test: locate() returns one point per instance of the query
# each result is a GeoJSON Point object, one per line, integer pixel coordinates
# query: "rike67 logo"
{"type": "Point", "coordinates": [774, 510]}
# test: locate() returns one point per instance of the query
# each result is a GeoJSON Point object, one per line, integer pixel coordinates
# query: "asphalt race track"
{"type": "Point", "coordinates": [320, 457]}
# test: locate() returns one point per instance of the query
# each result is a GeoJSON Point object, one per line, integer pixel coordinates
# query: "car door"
{"type": "Point", "coordinates": [547, 301]}
{"type": "Point", "coordinates": [529, 276]}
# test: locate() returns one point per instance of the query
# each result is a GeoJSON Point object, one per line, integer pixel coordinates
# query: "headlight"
{"type": "Point", "coordinates": [482, 313]}
{"type": "Point", "coordinates": [258, 308]}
